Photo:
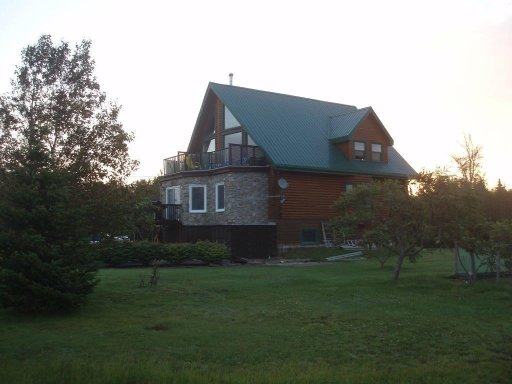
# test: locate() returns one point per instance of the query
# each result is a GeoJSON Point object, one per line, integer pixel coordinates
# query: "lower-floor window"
{"type": "Point", "coordinates": [309, 236]}
{"type": "Point", "coordinates": [197, 198]}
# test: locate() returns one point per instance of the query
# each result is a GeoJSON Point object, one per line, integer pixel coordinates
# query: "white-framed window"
{"type": "Point", "coordinates": [172, 195]}
{"type": "Point", "coordinates": [349, 187]}
{"type": "Point", "coordinates": [197, 198]}
{"type": "Point", "coordinates": [219, 197]}
{"type": "Point", "coordinates": [376, 152]}
{"type": "Point", "coordinates": [359, 150]}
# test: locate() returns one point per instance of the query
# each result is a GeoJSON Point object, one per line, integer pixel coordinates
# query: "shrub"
{"type": "Point", "coordinates": [211, 252]}
{"type": "Point", "coordinates": [115, 253]}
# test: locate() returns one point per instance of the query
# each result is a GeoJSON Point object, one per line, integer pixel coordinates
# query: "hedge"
{"type": "Point", "coordinates": [117, 253]}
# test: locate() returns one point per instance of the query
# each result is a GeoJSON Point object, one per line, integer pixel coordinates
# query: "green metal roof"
{"type": "Point", "coordinates": [295, 132]}
{"type": "Point", "coordinates": [342, 126]}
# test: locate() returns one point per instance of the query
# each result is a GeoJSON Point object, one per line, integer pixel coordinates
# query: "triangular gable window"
{"type": "Point", "coordinates": [229, 119]}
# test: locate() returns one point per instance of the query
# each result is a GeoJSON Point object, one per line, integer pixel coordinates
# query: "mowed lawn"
{"type": "Point", "coordinates": [344, 322]}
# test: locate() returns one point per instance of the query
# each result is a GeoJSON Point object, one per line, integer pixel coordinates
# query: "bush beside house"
{"type": "Point", "coordinates": [116, 254]}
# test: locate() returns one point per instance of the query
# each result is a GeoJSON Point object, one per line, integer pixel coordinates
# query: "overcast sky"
{"type": "Point", "coordinates": [432, 70]}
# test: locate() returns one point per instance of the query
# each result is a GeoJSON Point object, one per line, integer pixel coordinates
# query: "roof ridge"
{"type": "Point", "coordinates": [348, 113]}
{"type": "Point", "coordinates": [283, 94]}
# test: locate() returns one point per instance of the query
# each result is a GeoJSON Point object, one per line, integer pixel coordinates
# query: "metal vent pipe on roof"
{"type": "Point", "coordinates": [230, 79]}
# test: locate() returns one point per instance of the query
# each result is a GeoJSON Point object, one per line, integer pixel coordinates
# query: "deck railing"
{"type": "Point", "coordinates": [167, 213]}
{"type": "Point", "coordinates": [234, 155]}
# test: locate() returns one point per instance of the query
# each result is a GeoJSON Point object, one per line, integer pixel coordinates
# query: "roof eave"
{"type": "Point", "coordinates": [199, 116]}
{"type": "Point", "coordinates": [288, 167]}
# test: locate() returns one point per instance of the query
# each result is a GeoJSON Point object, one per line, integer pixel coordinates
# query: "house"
{"type": "Point", "coordinates": [263, 169]}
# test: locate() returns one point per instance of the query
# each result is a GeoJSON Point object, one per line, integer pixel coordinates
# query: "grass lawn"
{"type": "Point", "coordinates": [344, 322]}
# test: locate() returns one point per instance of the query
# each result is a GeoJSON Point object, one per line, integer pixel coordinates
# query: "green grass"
{"type": "Point", "coordinates": [313, 253]}
{"type": "Point", "coordinates": [331, 323]}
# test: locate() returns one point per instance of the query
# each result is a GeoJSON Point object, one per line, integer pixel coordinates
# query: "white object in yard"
{"type": "Point", "coordinates": [345, 256]}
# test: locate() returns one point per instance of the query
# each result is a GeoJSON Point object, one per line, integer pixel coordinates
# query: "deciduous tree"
{"type": "Point", "coordinates": [384, 214]}
{"type": "Point", "coordinates": [469, 163]}
{"type": "Point", "coordinates": [455, 212]}
{"type": "Point", "coordinates": [57, 103]}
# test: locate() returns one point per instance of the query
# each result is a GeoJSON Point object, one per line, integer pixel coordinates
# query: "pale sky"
{"type": "Point", "coordinates": [432, 70]}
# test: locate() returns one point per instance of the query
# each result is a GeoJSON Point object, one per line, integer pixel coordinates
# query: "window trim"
{"type": "Point", "coordinates": [381, 152]}
{"type": "Point", "coordinates": [177, 194]}
{"type": "Point", "coordinates": [233, 132]}
{"type": "Point", "coordinates": [358, 150]}
{"type": "Point", "coordinates": [217, 209]}
{"type": "Point", "coordinates": [190, 188]}
{"type": "Point", "coordinates": [304, 242]}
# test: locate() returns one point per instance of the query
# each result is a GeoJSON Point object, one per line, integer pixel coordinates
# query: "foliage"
{"type": "Point", "coordinates": [141, 216]}
{"type": "Point", "coordinates": [56, 101]}
{"type": "Point", "coordinates": [382, 255]}
{"type": "Point", "coordinates": [58, 136]}
{"type": "Point", "coordinates": [498, 203]}
{"type": "Point", "coordinates": [43, 266]}
{"type": "Point", "coordinates": [455, 211]}
{"type": "Point", "coordinates": [336, 323]}
{"type": "Point", "coordinates": [385, 215]}
{"type": "Point", "coordinates": [114, 208]}
{"type": "Point", "coordinates": [118, 253]}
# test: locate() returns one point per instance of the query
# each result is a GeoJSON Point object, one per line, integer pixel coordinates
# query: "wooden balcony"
{"type": "Point", "coordinates": [235, 155]}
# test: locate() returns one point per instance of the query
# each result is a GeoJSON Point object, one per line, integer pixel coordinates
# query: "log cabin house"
{"type": "Point", "coordinates": [262, 169]}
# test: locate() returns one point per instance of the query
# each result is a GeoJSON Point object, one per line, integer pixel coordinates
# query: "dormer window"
{"type": "Point", "coordinates": [359, 150]}
{"type": "Point", "coordinates": [376, 152]}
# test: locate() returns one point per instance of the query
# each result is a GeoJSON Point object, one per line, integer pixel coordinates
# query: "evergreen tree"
{"type": "Point", "coordinates": [58, 135]}
{"type": "Point", "coordinates": [44, 267]}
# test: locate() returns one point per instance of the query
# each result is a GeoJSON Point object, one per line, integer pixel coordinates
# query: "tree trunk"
{"type": "Point", "coordinates": [398, 265]}
{"type": "Point", "coordinates": [456, 255]}
{"type": "Point", "coordinates": [498, 267]}
{"type": "Point", "coordinates": [473, 266]}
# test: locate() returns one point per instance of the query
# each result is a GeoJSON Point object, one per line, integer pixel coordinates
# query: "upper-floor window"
{"type": "Point", "coordinates": [209, 145]}
{"type": "Point", "coordinates": [197, 198]}
{"type": "Point", "coordinates": [376, 152]}
{"type": "Point", "coordinates": [211, 126]}
{"type": "Point", "coordinates": [232, 138]}
{"type": "Point", "coordinates": [359, 150]}
{"type": "Point", "coordinates": [250, 141]}
{"type": "Point", "coordinates": [229, 120]}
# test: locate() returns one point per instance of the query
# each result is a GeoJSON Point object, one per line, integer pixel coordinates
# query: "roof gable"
{"type": "Point", "coordinates": [342, 127]}
{"type": "Point", "coordinates": [289, 129]}
{"type": "Point", "coordinates": [297, 133]}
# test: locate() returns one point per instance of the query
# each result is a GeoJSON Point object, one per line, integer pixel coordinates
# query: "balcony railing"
{"type": "Point", "coordinates": [167, 213]}
{"type": "Point", "coordinates": [235, 155]}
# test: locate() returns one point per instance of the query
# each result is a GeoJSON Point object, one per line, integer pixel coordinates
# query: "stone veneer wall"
{"type": "Point", "coordinates": [245, 198]}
